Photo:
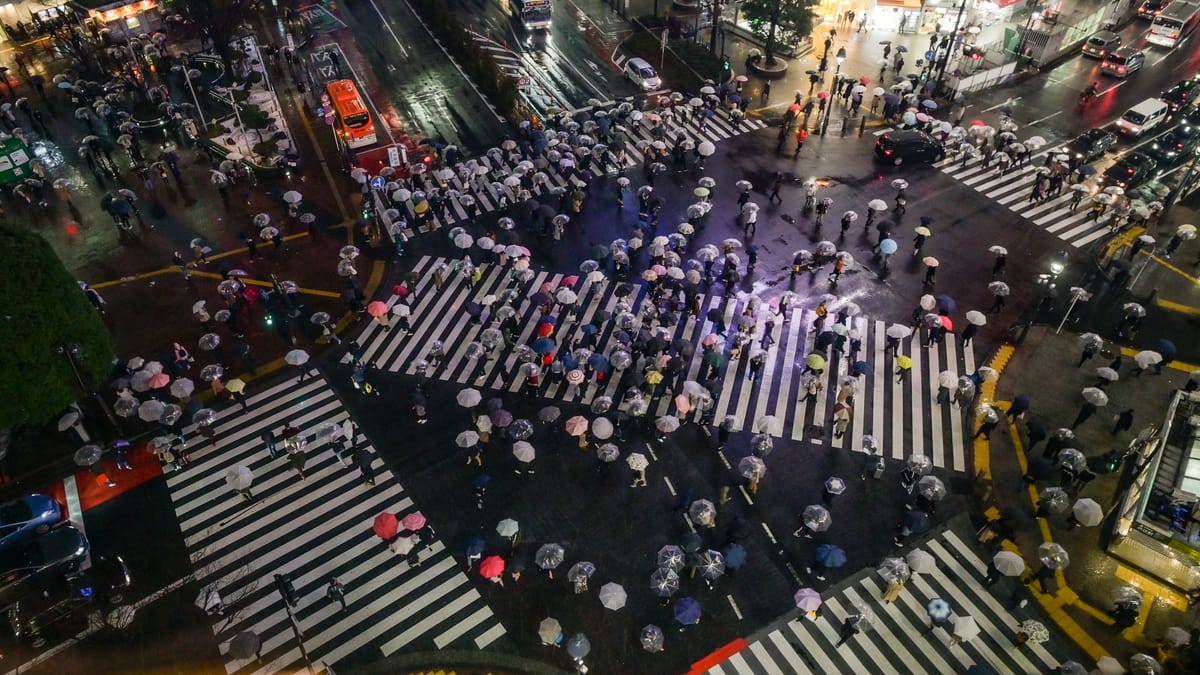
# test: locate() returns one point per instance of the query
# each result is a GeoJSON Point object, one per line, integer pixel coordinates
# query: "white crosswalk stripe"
{"type": "Point", "coordinates": [1013, 189]}
{"type": "Point", "coordinates": [899, 641]}
{"type": "Point", "coordinates": [901, 414]}
{"type": "Point", "coordinates": [491, 194]}
{"type": "Point", "coordinates": [312, 530]}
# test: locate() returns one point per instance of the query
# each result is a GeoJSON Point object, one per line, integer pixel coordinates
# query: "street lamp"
{"type": "Point", "coordinates": [72, 352]}
{"type": "Point", "coordinates": [1078, 295]}
{"type": "Point", "coordinates": [841, 58]}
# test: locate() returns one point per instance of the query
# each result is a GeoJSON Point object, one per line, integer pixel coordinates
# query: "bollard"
{"type": "Point", "coordinates": [862, 126]}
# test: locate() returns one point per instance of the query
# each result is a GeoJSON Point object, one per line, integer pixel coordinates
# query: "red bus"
{"type": "Point", "coordinates": [352, 120]}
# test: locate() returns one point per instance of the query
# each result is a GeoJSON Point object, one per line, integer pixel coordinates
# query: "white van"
{"type": "Point", "coordinates": [1143, 117]}
{"type": "Point", "coordinates": [642, 74]}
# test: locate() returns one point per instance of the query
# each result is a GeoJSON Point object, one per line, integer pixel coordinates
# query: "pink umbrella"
{"type": "Point", "coordinates": [577, 425]}
{"type": "Point", "coordinates": [377, 309]}
{"type": "Point", "coordinates": [947, 323]}
{"type": "Point", "coordinates": [159, 380]}
{"type": "Point", "coordinates": [823, 95]}
{"type": "Point", "coordinates": [413, 521]}
{"type": "Point", "coordinates": [683, 404]}
{"type": "Point", "coordinates": [491, 567]}
{"type": "Point", "coordinates": [658, 269]}
{"type": "Point", "coordinates": [710, 339]}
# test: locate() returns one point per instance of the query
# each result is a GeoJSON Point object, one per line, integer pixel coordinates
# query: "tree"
{"type": "Point", "coordinates": [220, 21]}
{"type": "Point", "coordinates": [43, 310]}
{"type": "Point", "coordinates": [792, 17]}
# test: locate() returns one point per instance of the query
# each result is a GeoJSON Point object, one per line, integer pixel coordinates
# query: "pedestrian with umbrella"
{"type": "Point", "coordinates": [939, 612]}
{"type": "Point", "coordinates": [850, 628]}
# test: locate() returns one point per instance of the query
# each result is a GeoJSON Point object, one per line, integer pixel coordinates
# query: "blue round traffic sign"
{"type": "Point", "coordinates": [377, 183]}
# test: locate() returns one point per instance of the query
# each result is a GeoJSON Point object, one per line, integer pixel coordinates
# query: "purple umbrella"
{"type": "Point", "coordinates": [501, 418]}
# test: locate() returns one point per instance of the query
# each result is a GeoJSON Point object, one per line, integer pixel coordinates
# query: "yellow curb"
{"type": "Point", "coordinates": [1153, 588]}
{"type": "Point", "coordinates": [987, 392]}
{"type": "Point", "coordinates": [1121, 240]}
{"type": "Point", "coordinates": [1177, 307]}
{"type": "Point", "coordinates": [1171, 267]}
{"type": "Point", "coordinates": [1174, 365]}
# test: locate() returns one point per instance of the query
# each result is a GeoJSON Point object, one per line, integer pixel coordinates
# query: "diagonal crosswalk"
{"type": "Point", "coordinates": [483, 179]}
{"type": "Point", "coordinates": [1013, 189]}
{"type": "Point", "coordinates": [902, 415]}
{"type": "Point", "coordinates": [313, 530]}
{"type": "Point", "coordinates": [900, 641]}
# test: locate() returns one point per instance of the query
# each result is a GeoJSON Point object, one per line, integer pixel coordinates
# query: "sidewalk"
{"type": "Point", "coordinates": [1044, 368]}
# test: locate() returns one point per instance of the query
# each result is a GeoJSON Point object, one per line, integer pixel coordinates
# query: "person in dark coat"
{"type": "Point", "coordinates": [1124, 421]}
{"type": "Point", "coordinates": [363, 457]}
{"type": "Point", "coordinates": [297, 459]}
{"type": "Point", "coordinates": [1085, 412]}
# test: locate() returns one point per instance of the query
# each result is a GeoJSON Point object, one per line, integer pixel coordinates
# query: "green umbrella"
{"type": "Point", "coordinates": [815, 361]}
{"type": "Point", "coordinates": [714, 359]}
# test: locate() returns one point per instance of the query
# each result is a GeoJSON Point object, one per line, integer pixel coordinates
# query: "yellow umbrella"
{"type": "Point", "coordinates": [815, 361]}
{"type": "Point", "coordinates": [421, 207]}
{"type": "Point", "coordinates": [235, 385]}
{"type": "Point", "coordinates": [654, 377]}
{"type": "Point", "coordinates": [923, 231]}
{"type": "Point", "coordinates": [904, 362]}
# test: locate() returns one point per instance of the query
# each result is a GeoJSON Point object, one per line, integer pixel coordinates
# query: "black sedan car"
{"type": "Point", "coordinates": [59, 551]}
{"type": "Point", "coordinates": [898, 147]}
{"type": "Point", "coordinates": [1132, 169]}
{"type": "Point", "coordinates": [1175, 146]}
{"type": "Point", "coordinates": [1181, 95]}
{"type": "Point", "coordinates": [1091, 144]}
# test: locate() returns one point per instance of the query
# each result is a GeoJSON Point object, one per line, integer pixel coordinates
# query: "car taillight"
{"type": "Point", "coordinates": [887, 152]}
{"type": "Point", "coordinates": [1103, 52]}
{"type": "Point", "coordinates": [1121, 69]}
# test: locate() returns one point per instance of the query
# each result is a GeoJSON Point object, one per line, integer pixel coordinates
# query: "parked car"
{"type": "Point", "coordinates": [642, 74]}
{"type": "Point", "coordinates": [26, 517]}
{"type": "Point", "coordinates": [57, 598]}
{"type": "Point", "coordinates": [1123, 62]}
{"type": "Point", "coordinates": [1143, 117]}
{"type": "Point", "coordinates": [1151, 9]}
{"type": "Point", "coordinates": [1130, 170]}
{"type": "Point", "coordinates": [898, 147]}
{"type": "Point", "coordinates": [1181, 95]}
{"type": "Point", "coordinates": [59, 551]}
{"type": "Point", "coordinates": [1175, 146]}
{"type": "Point", "coordinates": [1091, 144]}
{"type": "Point", "coordinates": [1101, 44]}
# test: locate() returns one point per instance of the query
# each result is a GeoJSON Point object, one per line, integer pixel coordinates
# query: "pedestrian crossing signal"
{"type": "Point", "coordinates": [269, 319]}
{"type": "Point", "coordinates": [287, 590]}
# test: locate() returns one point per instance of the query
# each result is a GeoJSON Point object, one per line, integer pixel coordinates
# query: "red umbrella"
{"type": "Point", "coordinates": [569, 281]}
{"type": "Point", "coordinates": [377, 308]}
{"type": "Point", "coordinates": [159, 381]}
{"type": "Point", "coordinates": [795, 107]}
{"type": "Point", "coordinates": [547, 288]}
{"type": "Point", "coordinates": [822, 95]}
{"type": "Point", "coordinates": [977, 123]}
{"type": "Point", "coordinates": [413, 521]}
{"type": "Point", "coordinates": [386, 526]}
{"type": "Point", "coordinates": [491, 567]}
{"type": "Point", "coordinates": [864, 80]}
{"type": "Point", "coordinates": [545, 329]}
{"type": "Point", "coordinates": [947, 323]}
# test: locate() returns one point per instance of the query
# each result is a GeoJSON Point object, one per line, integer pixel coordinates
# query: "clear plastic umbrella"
{"type": "Point", "coordinates": [702, 512]}
{"type": "Point", "coordinates": [670, 557]}
{"type": "Point", "coordinates": [1053, 555]}
{"type": "Point", "coordinates": [651, 638]}
{"type": "Point", "coordinates": [894, 569]}
{"type": "Point", "coordinates": [816, 518]}
{"type": "Point", "coordinates": [1088, 512]}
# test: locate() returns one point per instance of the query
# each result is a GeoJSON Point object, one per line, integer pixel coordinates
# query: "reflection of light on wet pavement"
{"type": "Point", "coordinates": [48, 154]}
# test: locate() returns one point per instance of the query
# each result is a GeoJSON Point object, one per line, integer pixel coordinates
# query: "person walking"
{"type": "Point", "coordinates": [336, 592]}
{"type": "Point", "coordinates": [296, 457]}
{"type": "Point", "coordinates": [985, 429]}
{"type": "Point", "coordinates": [997, 304]}
{"type": "Point", "coordinates": [1085, 412]}
{"type": "Point", "coordinates": [894, 588]}
{"type": "Point", "coordinates": [268, 437]}
{"type": "Point", "coordinates": [849, 629]}
{"type": "Point", "coordinates": [1000, 263]}
{"type": "Point", "coordinates": [1124, 421]}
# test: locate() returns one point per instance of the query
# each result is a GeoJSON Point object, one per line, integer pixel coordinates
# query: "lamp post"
{"type": "Point", "coordinates": [840, 57]}
{"type": "Point", "coordinates": [71, 352]}
{"type": "Point", "coordinates": [1078, 295]}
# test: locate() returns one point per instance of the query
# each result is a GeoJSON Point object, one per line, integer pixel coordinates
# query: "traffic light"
{"type": "Point", "coordinates": [726, 67]}
{"type": "Point", "coordinates": [284, 585]}
{"type": "Point", "coordinates": [268, 319]}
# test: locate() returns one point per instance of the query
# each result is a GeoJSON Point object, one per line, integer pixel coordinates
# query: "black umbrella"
{"type": "Point", "coordinates": [884, 226]}
{"type": "Point", "coordinates": [656, 344]}
{"type": "Point", "coordinates": [715, 315]}
{"type": "Point", "coordinates": [684, 348]}
{"type": "Point", "coordinates": [691, 542]}
{"type": "Point", "coordinates": [675, 365]}
{"type": "Point", "coordinates": [622, 290]}
{"type": "Point", "coordinates": [1040, 469]}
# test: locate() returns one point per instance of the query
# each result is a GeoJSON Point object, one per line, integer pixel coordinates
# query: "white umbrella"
{"type": "Point", "coordinates": [612, 596]}
{"type": "Point", "coordinates": [1088, 512]}
{"type": "Point", "coordinates": [239, 477]}
{"type": "Point", "coordinates": [1009, 564]}
{"type": "Point", "coordinates": [469, 398]}
{"type": "Point", "coordinates": [296, 357]}
{"type": "Point", "coordinates": [965, 627]}
{"type": "Point", "coordinates": [523, 451]}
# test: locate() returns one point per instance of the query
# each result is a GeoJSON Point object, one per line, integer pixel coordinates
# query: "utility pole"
{"type": "Point", "coordinates": [70, 351]}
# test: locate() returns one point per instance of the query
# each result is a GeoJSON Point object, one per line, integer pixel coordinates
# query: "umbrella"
{"type": "Point", "coordinates": [665, 580]}
{"type": "Point", "coordinates": [1095, 396]}
{"type": "Point", "coordinates": [523, 451]}
{"type": "Point", "coordinates": [1144, 664]}
{"type": "Point", "coordinates": [1177, 636]}
{"type": "Point", "coordinates": [235, 385]}
{"type": "Point", "coordinates": [577, 425]}
{"type": "Point", "coordinates": [467, 439]}
{"type": "Point", "coordinates": [815, 361]}
{"type": "Point", "coordinates": [735, 556]}
{"type": "Point", "coordinates": [1107, 665]}
{"type": "Point", "coordinates": [386, 526]}
{"type": "Point", "coordinates": [1008, 563]}
{"type": "Point", "coordinates": [1034, 631]}
{"type": "Point", "coordinates": [469, 398]}
{"type": "Point", "coordinates": [612, 596]}
{"type": "Point", "coordinates": [578, 646]}
{"type": "Point", "coordinates": [687, 611]}
{"type": "Point", "coordinates": [637, 461]}
{"type": "Point", "coordinates": [245, 645]}
{"type": "Point", "coordinates": [931, 488]}
{"type": "Point", "coordinates": [670, 557]}
{"type": "Point", "coordinates": [965, 627]}
{"type": "Point", "coordinates": [507, 528]}
{"type": "Point", "coordinates": [702, 511]}
{"type": "Point", "coordinates": [999, 288]}
{"type": "Point", "coordinates": [549, 414]}
{"type": "Point", "coordinates": [608, 452]}
{"type": "Point", "coordinates": [898, 331]}
{"type": "Point", "coordinates": [651, 638]}
{"type": "Point", "coordinates": [1145, 359]}
{"type": "Point", "coordinates": [491, 567]}
{"type": "Point", "coordinates": [835, 485]}
{"type": "Point", "coordinates": [711, 565]}
{"type": "Point", "coordinates": [816, 518]}
{"type": "Point", "coordinates": [667, 423]}
{"type": "Point", "coordinates": [807, 600]}
{"type": "Point", "coordinates": [151, 410]}
{"type": "Point", "coordinates": [921, 561]}
{"type": "Point", "coordinates": [581, 571]}
{"type": "Point", "coordinates": [916, 522]}
{"type": "Point", "coordinates": [830, 555]}
{"type": "Point", "coordinates": [88, 455]}
{"type": "Point", "coordinates": [549, 631]}
{"type": "Point", "coordinates": [976, 318]}
{"type": "Point", "coordinates": [549, 556]}
{"type": "Point", "coordinates": [930, 261]}
{"type": "Point", "coordinates": [894, 569]}
{"type": "Point", "coordinates": [938, 609]}
{"type": "Point", "coordinates": [752, 468]}
{"type": "Point", "coordinates": [1053, 555]}
{"type": "Point", "coordinates": [296, 357]}
{"type": "Point", "coordinates": [1088, 512]}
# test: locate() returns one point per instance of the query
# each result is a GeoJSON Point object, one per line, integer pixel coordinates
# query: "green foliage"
{"type": "Point", "coordinates": [476, 61]}
{"type": "Point", "coordinates": [254, 118]}
{"type": "Point", "coordinates": [43, 310]}
{"type": "Point", "coordinates": [221, 18]}
{"type": "Point", "coordinates": [785, 21]}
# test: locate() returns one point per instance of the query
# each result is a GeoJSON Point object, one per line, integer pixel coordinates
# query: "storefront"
{"type": "Point", "coordinates": [835, 13]}
{"type": "Point", "coordinates": [899, 16]}
{"type": "Point", "coordinates": [121, 17]}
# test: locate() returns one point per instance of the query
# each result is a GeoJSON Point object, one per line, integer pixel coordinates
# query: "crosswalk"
{"type": "Point", "coordinates": [900, 641]}
{"type": "Point", "coordinates": [490, 194]}
{"type": "Point", "coordinates": [313, 530]}
{"type": "Point", "coordinates": [901, 415]}
{"type": "Point", "coordinates": [1013, 189]}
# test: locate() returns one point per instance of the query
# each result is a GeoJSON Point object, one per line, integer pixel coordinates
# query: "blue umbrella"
{"type": "Point", "coordinates": [548, 319]}
{"type": "Point", "coordinates": [543, 346]}
{"type": "Point", "coordinates": [539, 299]}
{"type": "Point", "coordinates": [687, 611]}
{"type": "Point", "coordinates": [916, 522]}
{"type": "Point", "coordinates": [708, 112]}
{"type": "Point", "coordinates": [946, 304]}
{"type": "Point", "coordinates": [860, 368]}
{"type": "Point", "coordinates": [590, 329]}
{"type": "Point", "coordinates": [929, 104]}
{"type": "Point", "coordinates": [909, 118]}
{"type": "Point", "coordinates": [1167, 349]}
{"type": "Point", "coordinates": [830, 555]}
{"type": "Point", "coordinates": [1086, 170]}
{"type": "Point", "coordinates": [888, 246]}
{"type": "Point", "coordinates": [939, 609]}
{"type": "Point", "coordinates": [599, 362]}
{"type": "Point", "coordinates": [474, 546]}
{"type": "Point", "coordinates": [481, 480]}
{"type": "Point", "coordinates": [735, 556]}
{"type": "Point", "coordinates": [569, 362]}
